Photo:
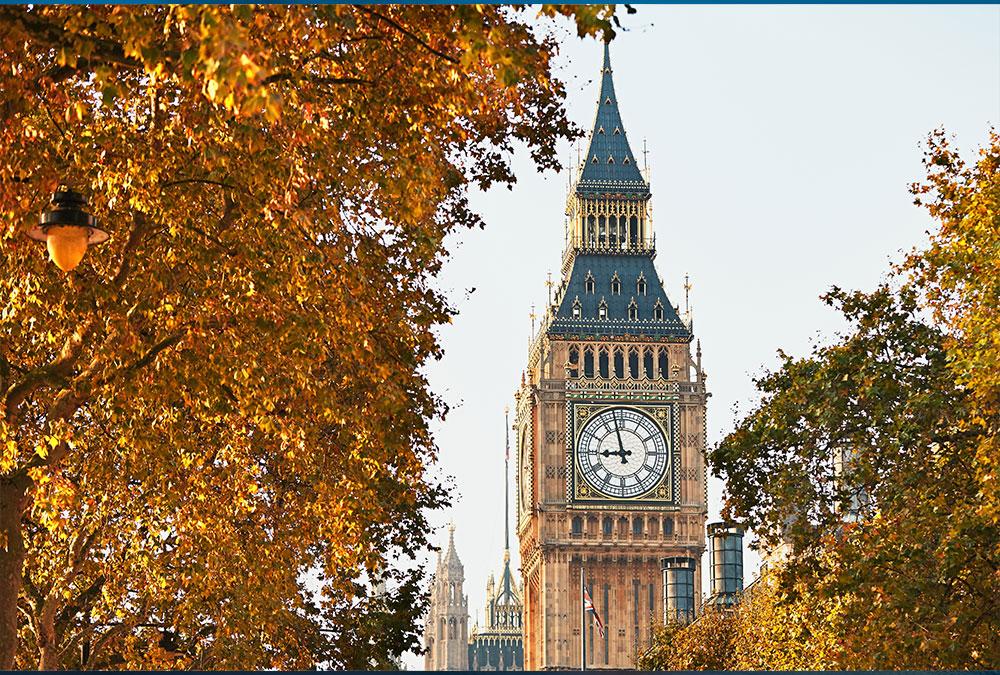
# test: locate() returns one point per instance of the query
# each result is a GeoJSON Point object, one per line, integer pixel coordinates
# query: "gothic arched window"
{"type": "Point", "coordinates": [607, 526]}
{"type": "Point", "coordinates": [578, 525]}
{"type": "Point", "coordinates": [637, 526]}
{"type": "Point", "coordinates": [668, 526]}
{"type": "Point", "coordinates": [633, 363]}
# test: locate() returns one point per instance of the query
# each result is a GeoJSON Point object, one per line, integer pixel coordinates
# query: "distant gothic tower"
{"type": "Point", "coordinates": [500, 644]}
{"type": "Point", "coordinates": [610, 423]}
{"type": "Point", "coordinates": [446, 631]}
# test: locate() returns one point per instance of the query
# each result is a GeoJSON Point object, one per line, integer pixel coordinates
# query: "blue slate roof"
{"type": "Point", "coordinates": [602, 269]}
{"type": "Point", "coordinates": [610, 165]}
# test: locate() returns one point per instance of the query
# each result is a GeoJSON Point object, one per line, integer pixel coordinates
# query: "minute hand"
{"type": "Point", "coordinates": [621, 448]}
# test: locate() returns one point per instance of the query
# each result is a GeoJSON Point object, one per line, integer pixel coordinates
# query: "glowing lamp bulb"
{"type": "Point", "coordinates": [66, 244]}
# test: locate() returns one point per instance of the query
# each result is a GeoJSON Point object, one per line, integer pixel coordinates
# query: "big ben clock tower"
{"type": "Point", "coordinates": [610, 424]}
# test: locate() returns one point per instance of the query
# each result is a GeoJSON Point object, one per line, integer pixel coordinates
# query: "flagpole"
{"type": "Point", "coordinates": [583, 623]}
{"type": "Point", "coordinates": [506, 482]}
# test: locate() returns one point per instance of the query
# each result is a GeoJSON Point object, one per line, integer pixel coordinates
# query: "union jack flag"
{"type": "Point", "coordinates": [588, 606]}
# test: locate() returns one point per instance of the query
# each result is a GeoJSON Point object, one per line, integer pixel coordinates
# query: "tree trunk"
{"type": "Point", "coordinates": [12, 499]}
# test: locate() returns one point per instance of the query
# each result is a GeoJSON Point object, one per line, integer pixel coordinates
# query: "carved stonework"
{"type": "Point", "coordinates": [555, 472]}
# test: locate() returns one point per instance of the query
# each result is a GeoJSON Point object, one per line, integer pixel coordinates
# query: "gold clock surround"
{"type": "Point", "coordinates": [579, 494]}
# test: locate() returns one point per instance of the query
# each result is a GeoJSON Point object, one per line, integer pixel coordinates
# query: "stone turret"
{"type": "Point", "coordinates": [446, 631]}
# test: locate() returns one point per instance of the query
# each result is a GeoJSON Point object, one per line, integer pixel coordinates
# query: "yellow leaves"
{"type": "Point", "coordinates": [251, 69]}
{"type": "Point", "coordinates": [211, 89]}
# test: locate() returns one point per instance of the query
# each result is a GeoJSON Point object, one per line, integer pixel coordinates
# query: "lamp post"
{"type": "Point", "coordinates": [67, 229]}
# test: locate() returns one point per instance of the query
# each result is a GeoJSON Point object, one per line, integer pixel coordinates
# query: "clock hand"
{"type": "Point", "coordinates": [621, 448]}
{"type": "Point", "coordinates": [620, 453]}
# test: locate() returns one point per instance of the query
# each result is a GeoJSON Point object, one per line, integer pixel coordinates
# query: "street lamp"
{"type": "Point", "coordinates": [67, 229]}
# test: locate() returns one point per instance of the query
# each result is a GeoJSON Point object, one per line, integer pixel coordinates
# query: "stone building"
{"type": "Point", "coordinates": [446, 630]}
{"type": "Point", "coordinates": [610, 422]}
{"type": "Point", "coordinates": [499, 644]}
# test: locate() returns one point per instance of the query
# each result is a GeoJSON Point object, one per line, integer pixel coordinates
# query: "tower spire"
{"type": "Point", "coordinates": [608, 206]}
{"type": "Point", "coordinates": [609, 163]}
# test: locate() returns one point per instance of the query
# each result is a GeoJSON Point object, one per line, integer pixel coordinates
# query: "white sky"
{"type": "Point", "coordinates": [781, 142]}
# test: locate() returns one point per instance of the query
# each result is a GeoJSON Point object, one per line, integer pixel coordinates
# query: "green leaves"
{"type": "Point", "coordinates": [875, 457]}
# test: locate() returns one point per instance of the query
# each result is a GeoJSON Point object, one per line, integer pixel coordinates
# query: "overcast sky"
{"type": "Point", "coordinates": [781, 143]}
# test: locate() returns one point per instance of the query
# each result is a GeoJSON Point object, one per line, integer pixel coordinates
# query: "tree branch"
{"type": "Point", "coordinates": [139, 227]}
{"type": "Point", "coordinates": [47, 34]}
{"type": "Point", "coordinates": [54, 373]}
{"type": "Point", "coordinates": [206, 181]}
{"type": "Point", "coordinates": [371, 12]}
{"type": "Point", "coordinates": [284, 76]}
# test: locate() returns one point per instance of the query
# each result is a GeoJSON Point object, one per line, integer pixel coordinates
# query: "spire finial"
{"type": "Point", "coordinates": [687, 298]}
{"type": "Point", "coordinates": [645, 160]}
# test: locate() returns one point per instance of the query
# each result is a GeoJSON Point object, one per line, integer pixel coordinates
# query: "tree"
{"type": "Point", "coordinates": [706, 644]}
{"type": "Point", "coordinates": [959, 275]}
{"type": "Point", "coordinates": [908, 399]}
{"type": "Point", "coordinates": [226, 399]}
{"type": "Point", "coordinates": [767, 630]}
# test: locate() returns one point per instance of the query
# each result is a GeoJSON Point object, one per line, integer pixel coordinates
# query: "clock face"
{"type": "Point", "coordinates": [622, 453]}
